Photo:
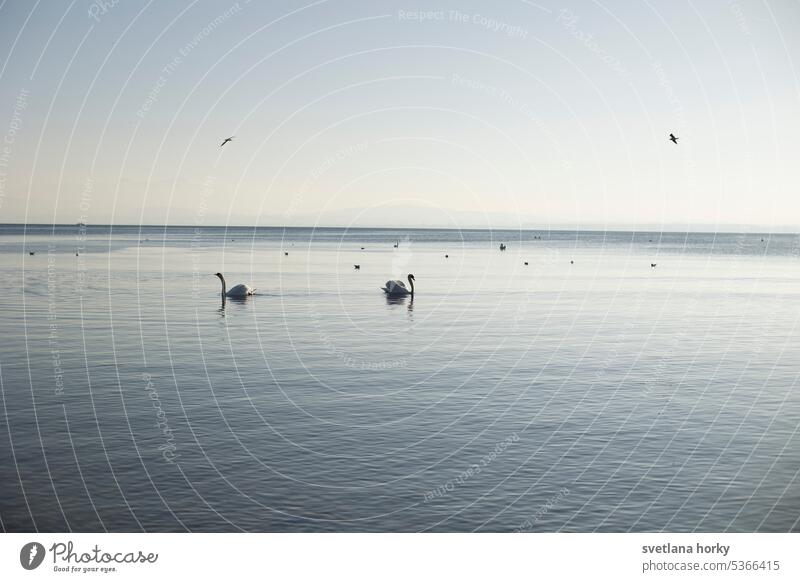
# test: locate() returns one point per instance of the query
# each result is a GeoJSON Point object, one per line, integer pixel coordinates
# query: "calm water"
{"type": "Point", "coordinates": [600, 395]}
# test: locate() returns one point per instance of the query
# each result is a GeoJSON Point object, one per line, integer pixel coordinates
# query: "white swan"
{"type": "Point", "coordinates": [240, 290]}
{"type": "Point", "coordinates": [398, 289]}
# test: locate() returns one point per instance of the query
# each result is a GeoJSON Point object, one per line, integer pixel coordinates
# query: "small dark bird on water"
{"type": "Point", "coordinates": [572, 262]}
{"type": "Point", "coordinates": [362, 248]}
{"type": "Point", "coordinates": [526, 263]}
{"type": "Point", "coordinates": [32, 253]}
{"type": "Point", "coordinates": [673, 139]}
{"type": "Point", "coordinates": [226, 140]}
{"type": "Point", "coordinates": [357, 267]}
{"type": "Point", "coordinates": [652, 265]}
{"type": "Point", "coordinates": [285, 254]}
{"type": "Point", "coordinates": [447, 256]}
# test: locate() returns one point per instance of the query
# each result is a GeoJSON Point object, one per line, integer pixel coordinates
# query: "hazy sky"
{"type": "Point", "coordinates": [379, 113]}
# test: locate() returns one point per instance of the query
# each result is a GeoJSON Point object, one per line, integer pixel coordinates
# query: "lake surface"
{"type": "Point", "coordinates": [598, 395]}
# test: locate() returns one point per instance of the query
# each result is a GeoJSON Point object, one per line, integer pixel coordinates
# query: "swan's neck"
{"type": "Point", "coordinates": [411, 282]}
{"type": "Point", "coordinates": [222, 280]}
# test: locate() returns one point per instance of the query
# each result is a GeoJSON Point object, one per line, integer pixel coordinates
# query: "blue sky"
{"type": "Point", "coordinates": [394, 113]}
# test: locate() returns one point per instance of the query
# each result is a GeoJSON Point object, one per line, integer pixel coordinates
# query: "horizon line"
{"type": "Point", "coordinates": [670, 229]}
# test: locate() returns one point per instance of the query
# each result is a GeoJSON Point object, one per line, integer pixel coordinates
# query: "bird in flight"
{"type": "Point", "coordinates": [673, 139]}
{"type": "Point", "coordinates": [227, 139]}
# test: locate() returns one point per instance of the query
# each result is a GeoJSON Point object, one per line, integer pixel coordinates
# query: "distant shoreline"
{"type": "Point", "coordinates": [700, 229]}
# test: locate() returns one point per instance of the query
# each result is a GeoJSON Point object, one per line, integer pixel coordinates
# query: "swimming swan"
{"type": "Point", "coordinates": [398, 289]}
{"type": "Point", "coordinates": [240, 290]}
